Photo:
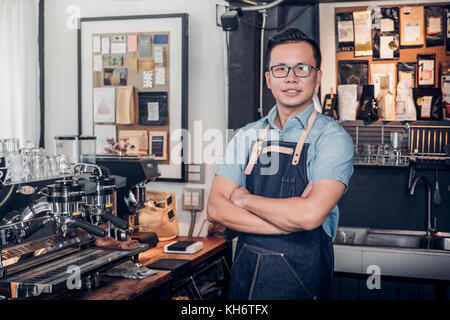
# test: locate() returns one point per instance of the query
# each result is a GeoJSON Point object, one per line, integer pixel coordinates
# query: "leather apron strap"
{"type": "Point", "coordinates": [256, 150]}
{"type": "Point", "coordinates": [301, 141]}
{"type": "Point", "coordinates": [257, 147]}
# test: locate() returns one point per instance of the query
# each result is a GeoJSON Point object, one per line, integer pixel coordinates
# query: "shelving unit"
{"type": "Point", "coordinates": [426, 142]}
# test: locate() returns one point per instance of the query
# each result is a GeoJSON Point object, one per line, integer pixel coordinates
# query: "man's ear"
{"type": "Point", "coordinates": [318, 79]}
{"type": "Point", "coordinates": [267, 74]}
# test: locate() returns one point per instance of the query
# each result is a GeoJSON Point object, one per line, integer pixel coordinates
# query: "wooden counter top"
{"type": "Point", "coordinates": [114, 288]}
{"type": "Point", "coordinates": [211, 246]}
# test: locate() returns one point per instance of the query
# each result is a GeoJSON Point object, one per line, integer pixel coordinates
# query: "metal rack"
{"type": "Point", "coordinates": [425, 145]}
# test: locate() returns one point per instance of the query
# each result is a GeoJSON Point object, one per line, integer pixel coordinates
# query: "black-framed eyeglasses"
{"type": "Point", "coordinates": [300, 70]}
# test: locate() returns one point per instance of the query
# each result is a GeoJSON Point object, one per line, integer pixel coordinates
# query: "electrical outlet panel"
{"type": "Point", "coordinates": [193, 199]}
{"type": "Point", "coordinates": [187, 196]}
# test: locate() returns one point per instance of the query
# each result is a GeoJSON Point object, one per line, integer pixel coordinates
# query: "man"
{"type": "Point", "coordinates": [282, 200]}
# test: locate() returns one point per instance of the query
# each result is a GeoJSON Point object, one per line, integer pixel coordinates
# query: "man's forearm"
{"type": "Point", "coordinates": [295, 213]}
{"type": "Point", "coordinates": [225, 212]}
{"type": "Point", "coordinates": [290, 214]}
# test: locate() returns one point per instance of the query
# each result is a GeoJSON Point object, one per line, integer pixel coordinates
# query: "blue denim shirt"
{"type": "Point", "coordinates": [330, 154]}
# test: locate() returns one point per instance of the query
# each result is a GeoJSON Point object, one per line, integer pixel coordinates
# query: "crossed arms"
{"type": "Point", "coordinates": [237, 209]}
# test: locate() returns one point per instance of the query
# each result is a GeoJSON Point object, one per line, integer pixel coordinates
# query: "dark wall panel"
{"type": "Point", "coordinates": [243, 73]}
{"type": "Point", "coordinates": [379, 198]}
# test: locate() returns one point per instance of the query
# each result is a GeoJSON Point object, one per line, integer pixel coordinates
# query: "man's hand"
{"type": "Point", "coordinates": [239, 196]}
{"type": "Point", "coordinates": [221, 209]}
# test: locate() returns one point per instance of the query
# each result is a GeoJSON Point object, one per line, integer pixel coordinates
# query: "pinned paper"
{"type": "Point", "coordinates": [385, 47]}
{"type": "Point", "coordinates": [153, 111]}
{"type": "Point", "coordinates": [425, 111]}
{"type": "Point", "coordinates": [105, 45]}
{"type": "Point", "coordinates": [148, 79]}
{"type": "Point", "coordinates": [146, 64]}
{"type": "Point", "coordinates": [411, 26]}
{"type": "Point", "coordinates": [345, 31]}
{"type": "Point", "coordinates": [160, 39]}
{"type": "Point", "coordinates": [119, 39]}
{"type": "Point", "coordinates": [103, 134]}
{"type": "Point", "coordinates": [125, 105]}
{"type": "Point", "coordinates": [119, 44]}
{"type": "Point", "coordinates": [145, 46]}
{"type": "Point", "coordinates": [118, 47]}
{"type": "Point", "coordinates": [96, 46]}
{"type": "Point", "coordinates": [160, 76]}
{"type": "Point", "coordinates": [434, 25]}
{"type": "Point", "coordinates": [136, 140]}
{"type": "Point", "coordinates": [363, 40]}
{"type": "Point", "coordinates": [159, 55]}
{"type": "Point", "coordinates": [412, 32]}
{"type": "Point", "coordinates": [158, 144]}
{"type": "Point", "coordinates": [132, 64]}
{"type": "Point", "coordinates": [387, 25]}
{"type": "Point", "coordinates": [98, 63]}
{"type": "Point", "coordinates": [104, 104]}
{"type": "Point", "coordinates": [115, 60]}
{"type": "Point", "coordinates": [132, 43]}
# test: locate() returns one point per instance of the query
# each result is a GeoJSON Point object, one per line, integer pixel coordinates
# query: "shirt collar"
{"type": "Point", "coordinates": [302, 116]}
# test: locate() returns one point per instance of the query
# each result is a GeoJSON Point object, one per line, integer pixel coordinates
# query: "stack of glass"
{"type": "Point", "coordinates": [31, 163]}
{"type": "Point", "coordinates": [393, 154]}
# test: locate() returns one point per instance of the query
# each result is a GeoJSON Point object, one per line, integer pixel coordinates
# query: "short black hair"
{"type": "Point", "coordinates": [292, 35]}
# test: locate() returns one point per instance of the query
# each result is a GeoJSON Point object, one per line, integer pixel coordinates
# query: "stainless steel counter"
{"type": "Point", "coordinates": [399, 253]}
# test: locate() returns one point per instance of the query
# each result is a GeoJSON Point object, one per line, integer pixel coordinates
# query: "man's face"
{"type": "Point", "coordinates": [292, 91]}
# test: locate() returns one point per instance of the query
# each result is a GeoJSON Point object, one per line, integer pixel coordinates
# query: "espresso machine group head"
{"type": "Point", "coordinates": [137, 171]}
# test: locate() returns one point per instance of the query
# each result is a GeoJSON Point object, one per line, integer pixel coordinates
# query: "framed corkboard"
{"type": "Point", "coordinates": [121, 66]}
{"type": "Point", "coordinates": [406, 54]}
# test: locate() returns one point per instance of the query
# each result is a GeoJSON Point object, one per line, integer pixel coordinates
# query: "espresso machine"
{"type": "Point", "coordinates": [52, 231]}
{"type": "Point", "coordinates": [138, 171]}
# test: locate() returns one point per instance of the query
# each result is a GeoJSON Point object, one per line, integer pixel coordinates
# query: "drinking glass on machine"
{"type": "Point", "coordinates": [2, 148]}
{"type": "Point", "coordinates": [30, 144]}
{"type": "Point", "coordinates": [26, 156]}
{"type": "Point", "coordinates": [53, 167]}
{"type": "Point", "coordinates": [14, 161]}
{"type": "Point", "coordinates": [37, 164]}
{"type": "Point", "coordinates": [63, 163]}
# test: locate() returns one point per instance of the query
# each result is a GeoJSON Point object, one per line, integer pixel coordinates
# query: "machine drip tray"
{"type": "Point", "coordinates": [60, 273]}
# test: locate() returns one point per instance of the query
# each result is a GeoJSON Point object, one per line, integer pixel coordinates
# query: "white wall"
{"type": "Point", "coordinates": [327, 35]}
{"type": "Point", "coordinates": [206, 73]}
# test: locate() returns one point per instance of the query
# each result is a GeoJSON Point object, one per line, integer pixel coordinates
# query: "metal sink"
{"type": "Point", "coordinates": [391, 238]}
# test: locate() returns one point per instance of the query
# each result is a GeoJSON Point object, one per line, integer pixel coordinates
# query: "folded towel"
{"type": "Point", "coordinates": [130, 270]}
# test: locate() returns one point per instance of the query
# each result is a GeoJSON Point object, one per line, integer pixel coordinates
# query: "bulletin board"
{"type": "Point", "coordinates": [406, 54]}
{"type": "Point", "coordinates": [133, 86]}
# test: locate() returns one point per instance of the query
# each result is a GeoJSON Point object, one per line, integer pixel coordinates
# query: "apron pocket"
{"type": "Point", "coordinates": [287, 188]}
{"type": "Point", "coordinates": [274, 278]}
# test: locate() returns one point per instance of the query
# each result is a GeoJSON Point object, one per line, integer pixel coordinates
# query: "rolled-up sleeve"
{"type": "Point", "coordinates": [233, 164]}
{"type": "Point", "coordinates": [334, 155]}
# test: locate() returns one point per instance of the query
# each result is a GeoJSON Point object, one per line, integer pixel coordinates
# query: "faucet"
{"type": "Point", "coordinates": [430, 230]}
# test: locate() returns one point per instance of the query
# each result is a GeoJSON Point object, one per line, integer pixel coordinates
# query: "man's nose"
{"type": "Point", "coordinates": [291, 77]}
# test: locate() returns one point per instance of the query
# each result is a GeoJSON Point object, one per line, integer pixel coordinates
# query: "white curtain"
{"type": "Point", "coordinates": [19, 70]}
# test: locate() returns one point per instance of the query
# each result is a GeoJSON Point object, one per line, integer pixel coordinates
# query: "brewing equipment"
{"type": "Point", "coordinates": [50, 237]}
